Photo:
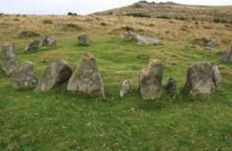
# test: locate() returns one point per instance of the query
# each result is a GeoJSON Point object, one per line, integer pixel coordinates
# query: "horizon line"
{"type": "Point", "coordinates": [87, 14]}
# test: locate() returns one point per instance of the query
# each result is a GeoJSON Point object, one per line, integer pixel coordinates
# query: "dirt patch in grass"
{"type": "Point", "coordinates": [28, 34]}
{"type": "Point", "coordinates": [71, 27]}
{"type": "Point", "coordinates": [47, 21]}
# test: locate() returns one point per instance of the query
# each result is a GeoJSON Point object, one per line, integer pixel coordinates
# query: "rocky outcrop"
{"type": "Point", "coordinates": [86, 78]}
{"type": "Point", "coordinates": [57, 73]}
{"type": "Point", "coordinates": [150, 80]}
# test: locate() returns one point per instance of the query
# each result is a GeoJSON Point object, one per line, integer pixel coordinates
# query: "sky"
{"type": "Point", "coordinates": [82, 7]}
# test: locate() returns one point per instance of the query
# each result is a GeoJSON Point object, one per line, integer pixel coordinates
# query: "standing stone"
{"type": "Point", "coordinates": [48, 41]}
{"type": "Point", "coordinates": [171, 87]}
{"type": "Point", "coordinates": [24, 77]}
{"type": "Point", "coordinates": [150, 80]}
{"type": "Point", "coordinates": [124, 88]}
{"type": "Point", "coordinates": [203, 78]}
{"type": "Point", "coordinates": [33, 46]}
{"type": "Point", "coordinates": [8, 60]}
{"type": "Point", "coordinates": [129, 36]}
{"type": "Point", "coordinates": [86, 79]}
{"type": "Point", "coordinates": [83, 40]}
{"type": "Point", "coordinates": [228, 56]}
{"type": "Point", "coordinates": [57, 72]}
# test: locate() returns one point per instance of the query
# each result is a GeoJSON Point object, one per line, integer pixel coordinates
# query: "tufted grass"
{"type": "Point", "coordinates": [58, 120]}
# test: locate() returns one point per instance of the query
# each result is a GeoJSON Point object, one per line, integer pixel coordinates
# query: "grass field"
{"type": "Point", "coordinates": [59, 120]}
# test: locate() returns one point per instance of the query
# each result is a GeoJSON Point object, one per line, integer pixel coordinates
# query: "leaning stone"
{"type": "Point", "coordinates": [33, 46]}
{"type": "Point", "coordinates": [8, 60]}
{"type": "Point", "coordinates": [24, 77]}
{"type": "Point", "coordinates": [228, 56]}
{"type": "Point", "coordinates": [86, 79]}
{"type": "Point", "coordinates": [57, 72]}
{"type": "Point", "coordinates": [150, 80]}
{"type": "Point", "coordinates": [203, 78]}
{"type": "Point", "coordinates": [124, 88]}
{"type": "Point", "coordinates": [83, 40]}
{"type": "Point", "coordinates": [48, 41]}
{"type": "Point", "coordinates": [171, 87]}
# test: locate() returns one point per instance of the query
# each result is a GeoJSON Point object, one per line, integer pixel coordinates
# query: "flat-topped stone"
{"type": "Point", "coordinates": [203, 78]}
{"type": "Point", "coordinates": [150, 80]}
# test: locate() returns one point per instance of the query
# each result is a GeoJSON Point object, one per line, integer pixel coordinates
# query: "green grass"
{"type": "Point", "coordinates": [58, 120]}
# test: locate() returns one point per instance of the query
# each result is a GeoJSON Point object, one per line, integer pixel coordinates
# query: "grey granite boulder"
{"type": "Point", "coordinates": [124, 88]}
{"type": "Point", "coordinates": [8, 59]}
{"type": "Point", "coordinates": [33, 46]}
{"type": "Point", "coordinates": [86, 78]}
{"type": "Point", "coordinates": [150, 80]}
{"type": "Point", "coordinates": [48, 41]}
{"type": "Point", "coordinates": [129, 36]}
{"type": "Point", "coordinates": [228, 56]}
{"type": "Point", "coordinates": [83, 40]}
{"type": "Point", "coordinates": [23, 77]}
{"type": "Point", "coordinates": [141, 40]}
{"type": "Point", "coordinates": [57, 73]}
{"type": "Point", "coordinates": [171, 87]}
{"type": "Point", "coordinates": [203, 78]}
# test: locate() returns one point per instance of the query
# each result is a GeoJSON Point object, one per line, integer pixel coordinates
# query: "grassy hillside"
{"type": "Point", "coordinates": [58, 120]}
{"type": "Point", "coordinates": [170, 10]}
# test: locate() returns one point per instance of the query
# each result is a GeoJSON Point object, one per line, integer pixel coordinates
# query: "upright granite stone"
{"type": "Point", "coordinates": [124, 88]}
{"type": "Point", "coordinates": [203, 78]}
{"type": "Point", "coordinates": [86, 78]}
{"type": "Point", "coordinates": [48, 41]}
{"type": "Point", "coordinates": [171, 87]}
{"type": "Point", "coordinates": [228, 56]}
{"type": "Point", "coordinates": [57, 73]}
{"type": "Point", "coordinates": [129, 36]}
{"type": "Point", "coordinates": [150, 80]}
{"type": "Point", "coordinates": [33, 46]}
{"type": "Point", "coordinates": [83, 40]}
{"type": "Point", "coordinates": [24, 77]}
{"type": "Point", "coordinates": [8, 60]}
